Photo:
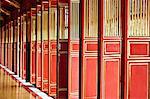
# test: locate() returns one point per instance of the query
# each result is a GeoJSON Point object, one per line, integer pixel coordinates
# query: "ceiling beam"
{"type": "Point", "coordinates": [2, 10]}
{"type": "Point", "coordinates": [13, 3]}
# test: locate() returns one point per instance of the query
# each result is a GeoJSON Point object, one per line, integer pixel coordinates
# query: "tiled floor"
{"type": "Point", "coordinates": [10, 89]}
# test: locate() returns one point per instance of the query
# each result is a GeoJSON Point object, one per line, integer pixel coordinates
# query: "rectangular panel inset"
{"type": "Point", "coordinates": [91, 77]}
{"type": "Point", "coordinates": [63, 46]}
{"type": "Point", "coordinates": [53, 69]}
{"type": "Point", "coordinates": [139, 82]}
{"type": "Point", "coordinates": [53, 45]}
{"type": "Point", "coordinates": [139, 49]}
{"type": "Point", "coordinates": [53, 90]}
{"type": "Point", "coordinates": [63, 71]}
{"type": "Point", "coordinates": [45, 45]}
{"type": "Point", "coordinates": [75, 47]}
{"type": "Point", "coordinates": [112, 79]}
{"type": "Point", "coordinates": [91, 46]}
{"type": "Point", "coordinates": [74, 73]}
{"type": "Point", "coordinates": [112, 48]}
{"type": "Point", "coordinates": [33, 45]}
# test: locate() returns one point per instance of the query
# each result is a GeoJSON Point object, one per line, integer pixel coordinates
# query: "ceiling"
{"type": "Point", "coordinates": [7, 7]}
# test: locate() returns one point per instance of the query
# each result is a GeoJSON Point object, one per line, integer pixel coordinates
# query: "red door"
{"type": "Point", "coordinates": [111, 49]}
{"type": "Point", "coordinates": [52, 48]}
{"type": "Point", "coordinates": [44, 34]}
{"type": "Point", "coordinates": [73, 50]}
{"type": "Point", "coordinates": [17, 46]}
{"type": "Point", "coordinates": [3, 45]}
{"type": "Point", "coordinates": [62, 49]}
{"type": "Point", "coordinates": [8, 48]}
{"type": "Point", "coordinates": [32, 45]}
{"type": "Point", "coordinates": [38, 47]}
{"type": "Point", "coordinates": [6, 45]}
{"type": "Point", "coordinates": [137, 50]}
{"type": "Point", "coordinates": [89, 48]}
{"type": "Point", "coordinates": [9, 45]}
{"type": "Point", "coordinates": [21, 46]}
{"type": "Point", "coordinates": [24, 24]}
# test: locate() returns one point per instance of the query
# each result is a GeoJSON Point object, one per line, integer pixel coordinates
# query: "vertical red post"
{"type": "Point", "coordinates": [100, 44]}
{"type": "Point", "coordinates": [124, 23]}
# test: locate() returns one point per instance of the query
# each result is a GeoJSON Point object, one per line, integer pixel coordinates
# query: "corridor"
{"type": "Point", "coordinates": [10, 89]}
{"type": "Point", "coordinates": [14, 87]}
{"type": "Point", "coordinates": [75, 49]}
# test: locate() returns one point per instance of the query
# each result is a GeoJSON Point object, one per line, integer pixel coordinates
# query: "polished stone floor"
{"type": "Point", "coordinates": [10, 89]}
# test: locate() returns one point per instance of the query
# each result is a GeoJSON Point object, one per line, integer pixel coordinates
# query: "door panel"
{"type": "Point", "coordinates": [62, 50]}
{"type": "Point", "coordinates": [2, 61]}
{"type": "Point", "coordinates": [52, 50]}
{"type": "Point", "coordinates": [24, 24]}
{"type": "Point", "coordinates": [138, 40]}
{"type": "Point", "coordinates": [89, 49]}
{"type": "Point", "coordinates": [32, 45]}
{"type": "Point", "coordinates": [6, 45]}
{"type": "Point", "coordinates": [138, 76]}
{"type": "Point", "coordinates": [90, 77]}
{"type": "Point", "coordinates": [111, 50]}
{"type": "Point", "coordinates": [73, 48]}
{"type": "Point", "coordinates": [38, 47]}
{"type": "Point", "coordinates": [112, 78]}
{"type": "Point", "coordinates": [44, 34]}
{"type": "Point", "coordinates": [15, 45]}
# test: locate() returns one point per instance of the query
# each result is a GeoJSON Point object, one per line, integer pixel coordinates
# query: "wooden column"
{"type": "Point", "coordinates": [124, 20]}
{"type": "Point", "coordinates": [100, 44]}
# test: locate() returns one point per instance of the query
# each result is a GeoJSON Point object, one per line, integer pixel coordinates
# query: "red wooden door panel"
{"type": "Point", "coordinates": [62, 76]}
{"type": "Point", "coordinates": [52, 48]}
{"type": "Point", "coordinates": [38, 48]}
{"type": "Point", "coordinates": [32, 45]}
{"type": "Point", "coordinates": [6, 45]}
{"type": "Point", "coordinates": [33, 63]}
{"type": "Point", "coordinates": [24, 28]}
{"type": "Point", "coordinates": [138, 80]}
{"type": "Point", "coordinates": [137, 50]}
{"type": "Point", "coordinates": [73, 48]}
{"type": "Point", "coordinates": [6, 53]}
{"type": "Point", "coordinates": [2, 46]}
{"type": "Point", "coordinates": [38, 66]}
{"type": "Point", "coordinates": [44, 34]}
{"type": "Point", "coordinates": [21, 46]}
{"type": "Point", "coordinates": [21, 58]}
{"type": "Point", "coordinates": [15, 57]}
{"type": "Point", "coordinates": [3, 54]}
{"type": "Point", "coordinates": [110, 50]}
{"type": "Point", "coordinates": [45, 66]}
{"type": "Point", "coordinates": [62, 50]}
{"type": "Point", "coordinates": [11, 45]}
{"type": "Point", "coordinates": [52, 72]}
{"type": "Point", "coordinates": [17, 45]}
{"type": "Point", "coordinates": [112, 78]}
{"type": "Point", "coordinates": [89, 49]}
{"type": "Point", "coordinates": [90, 75]}
{"type": "Point", "coordinates": [24, 61]}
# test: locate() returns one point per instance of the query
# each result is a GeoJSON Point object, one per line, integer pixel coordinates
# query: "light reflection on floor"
{"type": "Point", "coordinates": [10, 89]}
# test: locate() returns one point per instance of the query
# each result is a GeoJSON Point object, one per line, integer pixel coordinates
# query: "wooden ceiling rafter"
{"type": "Point", "coordinates": [13, 3]}
{"type": "Point", "coordinates": [2, 10]}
